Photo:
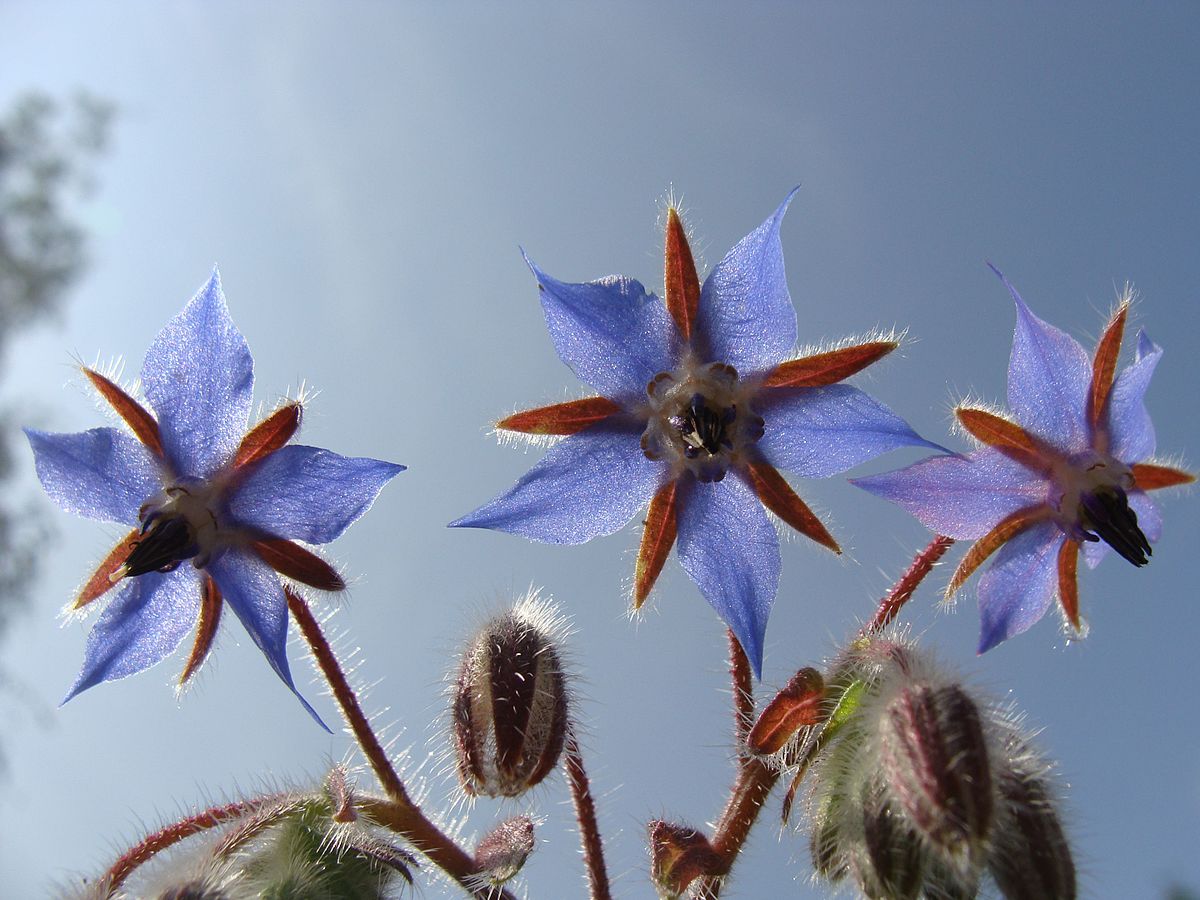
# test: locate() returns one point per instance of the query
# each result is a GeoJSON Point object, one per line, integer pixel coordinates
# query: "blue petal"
{"type": "Point", "coordinates": [587, 485]}
{"type": "Point", "coordinates": [308, 494]}
{"type": "Point", "coordinates": [1149, 520]}
{"type": "Point", "coordinates": [1017, 588]}
{"type": "Point", "coordinates": [730, 549]}
{"type": "Point", "coordinates": [198, 376]}
{"type": "Point", "coordinates": [254, 593]}
{"type": "Point", "coordinates": [746, 317]}
{"type": "Point", "coordinates": [1131, 432]}
{"type": "Point", "coordinates": [613, 335]}
{"type": "Point", "coordinates": [818, 432]}
{"type": "Point", "coordinates": [1049, 376]}
{"type": "Point", "coordinates": [100, 474]}
{"type": "Point", "coordinates": [143, 624]}
{"type": "Point", "coordinates": [962, 497]}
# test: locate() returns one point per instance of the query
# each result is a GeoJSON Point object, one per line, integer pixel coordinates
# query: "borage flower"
{"type": "Point", "coordinates": [700, 407]}
{"type": "Point", "coordinates": [196, 490]}
{"type": "Point", "coordinates": [1071, 472]}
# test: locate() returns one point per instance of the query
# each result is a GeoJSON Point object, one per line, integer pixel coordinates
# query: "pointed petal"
{"type": "Point", "coordinates": [561, 418]}
{"type": "Point", "coordinates": [1068, 581]}
{"type": "Point", "coordinates": [1017, 588]}
{"type": "Point", "coordinates": [746, 317]}
{"type": "Point", "coordinates": [729, 548]}
{"type": "Point", "coordinates": [255, 595]}
{"type": "Point", "coordinates": [199, 377]}
{"type": "Point", "coordinates": [962, 497]}
{"type": "Point", "coordinates": [1152, 476]}
{"type": "Point", "coordinates": [142, 625]}
{"type": "Point", "coordinates": [587, 485]}
{"type": "Point", "coordinates": [821, 369]}
{"type": "Point", "coordinates": [206, 628]}
{"type": "Point", "coordinates": [658, 537]}
{"type": "Point", "coordinates": [682, 284]}
{"type": "Point", "coordinates": [308, 494]}
{"type": "Point", "coordinates": [269, 435]}
{"type": "Point", "coordinates": [1006, 530]}
{"type": "Point", "coordinates": [1049, 376]}
{"type": "Point", "coordinates": [777, 495]}
{"type": "Point", "coordinates": [140, 422]}
{"type": "Point", "coordinates": [1104, 368]}
{"type": "Point", "coordinates": [100, 583]}
{"type": "Point", "coordinates": [612, 333]}
{"type": "Point", "coordinates": [1008, 437]}
{"type": "Point", "coordinates": [99, 474]}
{"type": "Point", "coordinates": [818, 432]}
{"type": "Point", "coordinates": [1149, 518]}
{"type": "Point", "coordinates": [1129, 425]}
{"type": "Point", "coordinates": [291, 560]}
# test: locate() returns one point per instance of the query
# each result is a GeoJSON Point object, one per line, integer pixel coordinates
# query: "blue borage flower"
{"type": "Point", "coordinates": [700, 406]}
{"type": "Point", "coordinates": [198, 487]}
{"type": "Point", "coordinates": [1071, 472]}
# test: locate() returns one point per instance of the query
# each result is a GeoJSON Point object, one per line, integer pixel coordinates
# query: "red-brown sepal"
{"type": "Point", "coordinates": [658, 537]}
{"type": "Point", "coordinates": [560, 418]}
{"type": "Point", "coordinates": [101, 580]}
{"type": "Point", "coordinates": [269, 435]}
{"type": "Point", "coordinates": [143, 425]}
{"type": "Point", "coordinates": [797, 705]}
{"type": "Point", "coordinates": [1152, 476]}
{"type": "Point", "coordinates": [1104, 368]}
{"type": "Point", "coordinates": [681, 283]}
{"type": "Point", "coordinates": [823, 369]}
{"type": "Point", "coordinates": [206, 627]}
{"type": "Point", "coordinates": [678, 856]}
{"type": "Point", "coordinates": [1008, 437]}
{"type": "Point", "coordinates": [777, 496]}
{"type": "Point", "coordinates": [1068, 583]}
{"type": "Point", "coordinates": [291, 560]}
{"type": "Point", "coordinates": [1005, 530]}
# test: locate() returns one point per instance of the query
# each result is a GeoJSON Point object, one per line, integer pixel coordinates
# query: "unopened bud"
{"type": "Point", "coordinates": [679, 855]}
{"type": "Point", "coordinates": [194, 890]}
{"type": "Point", "coordinates": [510, 705]}
{"type": "Point", "coordinates": [502, 852]}
{"type": "Point", "coordinates": [1031, 858]}
{"type": "Point", "coordinates": [894, 852]}
{"type": "Point", "coordinates": [798, 705]}
{"type": "Point", "coordinates": [935, 761]}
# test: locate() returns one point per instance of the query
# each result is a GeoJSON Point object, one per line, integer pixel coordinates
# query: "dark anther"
{"type": "Point", "coordinates": [1106, 512]}
{"type": "Point", "coordinates": [703, 428]}
{"type": "Point", "coordinates": [165, 542]}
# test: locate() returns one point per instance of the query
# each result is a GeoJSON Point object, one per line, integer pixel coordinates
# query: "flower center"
{"type": "Point", "coordinates": [176, 525]}
{"type": "Point", "coordinates": [700, 419]}
{"type": "Point", "coordinates": [1094, 505]}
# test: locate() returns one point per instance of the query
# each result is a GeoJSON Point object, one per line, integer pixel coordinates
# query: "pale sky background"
{"type": "Point", "coordinates": [364, 173]}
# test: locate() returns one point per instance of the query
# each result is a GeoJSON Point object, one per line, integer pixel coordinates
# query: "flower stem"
{"type": "Point", "coordinates": [585, 815]}
{"type": "Point", "coordinates": [903, 589]}
{"type": "Point", "coordinates": [743, 690]}
{"type": "Point", "coordinates": [171, 835]}
{"type": "Point", "coordinates": [401, 814]}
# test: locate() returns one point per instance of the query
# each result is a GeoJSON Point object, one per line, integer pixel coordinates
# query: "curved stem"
{"type": "Point", "coordinates": [903, 589]}
{"type": "Point", "coordinates": [585, 815]}
{"type": "Point", "coordinates": [401, 815]}
{"type": "Point", "coordinates": [743, 690]}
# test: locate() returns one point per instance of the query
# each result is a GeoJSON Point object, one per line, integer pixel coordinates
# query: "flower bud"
{"type": "Point", "coordinates": [678, 855]}
{"type": "Point", "coordinates": [509, 716]}
{"type": "Point", "coordinates": [502, 851]}
{"type": "Point", "coordinates": [1031, 858]}
{"type": "Point", "coordinates": [894, 851]}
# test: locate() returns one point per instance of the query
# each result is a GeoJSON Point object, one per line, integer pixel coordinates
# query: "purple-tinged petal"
{"type": "Point", "coordinates": [254, 593]}
{"type": "Point", "coordinates": [730, 549]}
{"type": "Point", "coordinates": [612, 333]}
{"type": "Point", "coordinates": [1049, 377]}
{"type": "Point", "coordinates": [746, 317]}
{"type": "Point", "coordinates": [1018, 587]}
{"type": "Point", "coordinates": [142, 625]}
{"type": "Point", "coordinates": [587, 485]}
{"type": "Point", "coordinates": [100, 474]}
{"type": "Point", "coordinates": [199, 377]}
{"type": "Point", "coordinates": [1149, 518]}
{"type": "Point", "coordinates": [308, 494]}
{"type": "Point", "coordinates": [818, 432]}
{"type": "Point", "coordinates": [962, 497]}
{"type": "Point", "coordinates": [1131, 433]}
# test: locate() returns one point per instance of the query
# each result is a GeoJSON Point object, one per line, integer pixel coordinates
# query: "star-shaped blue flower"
{"type": "Point", "coordinates": [216, 511]}
{"type": "Point", "coordinates": [1071, 472]}
{"type": "Point", "coordinates": [700, 406]}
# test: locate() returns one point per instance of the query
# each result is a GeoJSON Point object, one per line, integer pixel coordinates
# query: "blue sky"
{"type": "Point", "coordinates": [364, 173]}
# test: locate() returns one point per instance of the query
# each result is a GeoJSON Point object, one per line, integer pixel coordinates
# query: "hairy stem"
{"type": "Point", "coordinates": [585, 815]}
{"type": "Point", "coordinates": [743, 690]}
{"type": "Point", "coordinates": [903, 589]}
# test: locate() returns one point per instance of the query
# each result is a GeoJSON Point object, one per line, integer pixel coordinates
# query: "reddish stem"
{"type": "Point", "coordinates": [743, 690]}
{"type": "Point", "coordinates": [903, 589]}
{"type": "Point", "coordinates": [171, 835]}
{"type": "Point", "coordinates": [585, 815]}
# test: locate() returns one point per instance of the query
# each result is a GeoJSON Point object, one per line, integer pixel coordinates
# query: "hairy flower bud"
{"type": "Point", "coordinates": [1031, 858]}
{"type": "Point", "coordinates": [679, 854]}
{"type": "Point", "coordinates": [509, 715]}
{"type": "Point", "coordinates": [894, 851]}
{"type": "Point", "coordinates": [502, 851]}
